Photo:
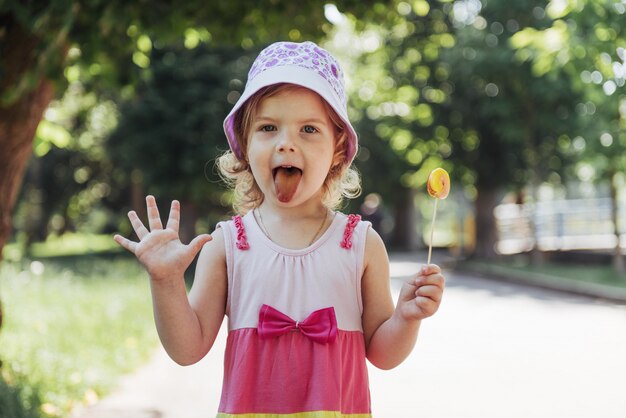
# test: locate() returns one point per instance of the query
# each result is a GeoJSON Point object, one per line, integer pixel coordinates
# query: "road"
{"type": "Point", "coordinates": [498, 350]}
{"type": "Point", "coordinates": [494, 349]}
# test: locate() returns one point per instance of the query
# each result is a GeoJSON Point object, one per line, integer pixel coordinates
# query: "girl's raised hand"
{"type": "Point", "coordinates": [421, 296]}
{"type": "Point", "coordinates": [160, 250]}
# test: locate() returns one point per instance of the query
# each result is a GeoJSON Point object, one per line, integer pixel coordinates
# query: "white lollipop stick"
{"type": "Point", "coordinates": [432, 230]}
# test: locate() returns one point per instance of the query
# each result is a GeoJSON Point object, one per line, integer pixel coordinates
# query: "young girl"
{"type": "Point", "coordinates": [306, 288]}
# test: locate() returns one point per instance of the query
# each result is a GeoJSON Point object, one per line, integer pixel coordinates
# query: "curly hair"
{"type": "Point", "coordinates": [342, 181]}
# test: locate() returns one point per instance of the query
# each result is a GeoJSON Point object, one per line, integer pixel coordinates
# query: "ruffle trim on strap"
{"type": "Point", "coordinates": [353, 221]}
{"type": "Point", "coordinates": [242, 240]}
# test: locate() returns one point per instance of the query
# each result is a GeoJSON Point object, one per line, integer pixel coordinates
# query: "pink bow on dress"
{"type": "Point", "coordinates": [320, 326]}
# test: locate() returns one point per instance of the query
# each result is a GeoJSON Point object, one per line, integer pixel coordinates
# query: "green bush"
{"type": "Point", "coordinates": [18, 402]}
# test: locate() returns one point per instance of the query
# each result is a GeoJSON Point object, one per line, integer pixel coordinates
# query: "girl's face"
{"type": "Point", "coordinates": [291, 146]}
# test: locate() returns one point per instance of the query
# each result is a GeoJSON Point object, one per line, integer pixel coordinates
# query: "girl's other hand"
{"type": "Point", "coordinates": [421, 296]}
{"type": "Point", "coordinates": [160, 250]}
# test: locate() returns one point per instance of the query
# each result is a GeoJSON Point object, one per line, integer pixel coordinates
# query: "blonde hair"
{"type": "Point", "coordinates": [342, 180]}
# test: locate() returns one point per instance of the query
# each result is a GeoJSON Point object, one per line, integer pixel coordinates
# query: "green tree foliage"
{"type": "Point", "coordinates": [501, 94]}
{"type": "Point", "coordinates": [453, 92]}
{"type": "Point", "coordinates": [587, 40]}
{"type": "Point", "coordinates": [506, 121]}
{"type": "Point", "coordinates": [68, 184]}
{"type": "Point", "coordinates": [402, 83]}
{"type": "Point", "coordinates": [398, 81]}
{"type": "Point", "coordinates": [171, 133]}
{"type": "Point", "coordinates": [17, 402]}
{"type": "Point", "coordinates": [106, 45]}
{"type": "Point", "coordinates": [111, 36]}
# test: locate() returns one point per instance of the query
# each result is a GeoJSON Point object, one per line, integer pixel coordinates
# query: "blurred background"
{"type": "Point", "coordinates": [103, 102]}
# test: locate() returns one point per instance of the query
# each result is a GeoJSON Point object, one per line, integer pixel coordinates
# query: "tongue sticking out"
{"type": "Point", "coordinates": [286, 180]}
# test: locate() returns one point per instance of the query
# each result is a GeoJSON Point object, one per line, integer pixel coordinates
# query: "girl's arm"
{"type": "Point", "coordinates": [209, 291]}
{"type": "Point", "coordinates": [391, 333]}
{"type": "Point", "coordinates": [187, 326]}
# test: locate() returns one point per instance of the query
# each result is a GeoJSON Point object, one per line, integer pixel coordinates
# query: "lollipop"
{"type": "Point", "coordinates": [438, 185]}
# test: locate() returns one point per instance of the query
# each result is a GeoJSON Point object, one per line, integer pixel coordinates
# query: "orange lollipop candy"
{"type": "Point", "coordinates": [438, 185]}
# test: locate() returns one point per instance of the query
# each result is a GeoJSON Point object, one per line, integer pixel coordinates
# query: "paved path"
{"type": "Point", "coordinates": [493, 350]}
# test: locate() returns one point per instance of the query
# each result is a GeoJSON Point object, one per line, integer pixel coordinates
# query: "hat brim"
{"type": "Point", "coordinates": [292, 75]}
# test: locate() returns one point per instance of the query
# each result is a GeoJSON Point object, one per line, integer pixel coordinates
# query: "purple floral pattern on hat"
{"type": "Point", "coordinates": [305, 55]}
{"type": "Point", "coordinates": [303, 64]}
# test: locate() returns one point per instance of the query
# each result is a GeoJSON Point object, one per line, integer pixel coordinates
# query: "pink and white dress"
{"type": "Point", "coordinates": [295, 343]}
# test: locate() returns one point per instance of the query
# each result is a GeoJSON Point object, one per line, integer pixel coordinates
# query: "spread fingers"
{"type": "Point", "coordinates": [154, 219]}
{"type": "Point", "coordinates": [138, 226]}
{"type": "Point", "coordinates": [126, 243]}
{"type": "Point", "coordinates": [174, 220]}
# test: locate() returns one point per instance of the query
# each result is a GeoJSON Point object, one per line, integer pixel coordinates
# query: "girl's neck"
{"type": "Point", "coordinates": [297, 213]}
{"type": "Point", "coordinates": [293, 228]}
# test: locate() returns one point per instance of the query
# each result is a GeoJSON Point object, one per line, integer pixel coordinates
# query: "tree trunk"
{"type": "Point", "coordinates": [189, 216]}
{"type": "Point", "coordinates": [137, 194]}
{"type": "Point", "coordinates": [405, 234]}
{"type": "Point", "coordinates": [537, 257]}
{"type": "Point", "coordinates": [618, 258]}
{"type": "Point", "coordinates": [486, 233]}
{"type": "Point", "coordinates": [18, 120]}
{"type": "Point", "coordinates": [532, 159]}
{"type": "Point", "coordinates": [35, 216]}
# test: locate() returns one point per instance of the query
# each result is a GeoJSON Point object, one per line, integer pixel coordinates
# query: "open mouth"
{"type": "Point", "coordinates": [286, 181]}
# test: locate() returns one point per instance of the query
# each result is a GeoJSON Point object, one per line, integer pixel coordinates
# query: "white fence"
{"type": "Point", "coordinates": [559, 225]}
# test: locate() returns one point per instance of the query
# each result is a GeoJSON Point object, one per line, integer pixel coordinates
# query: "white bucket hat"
{"type": "Point", "coordinates": [304, 64]}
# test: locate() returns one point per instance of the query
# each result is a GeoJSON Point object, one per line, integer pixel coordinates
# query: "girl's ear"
{"type": "Point", "coordinates": [337, 159]}
{"type": "Point", "coordinates": [337, 165]}
{"type": "Point", "coordinates": [338, 154]}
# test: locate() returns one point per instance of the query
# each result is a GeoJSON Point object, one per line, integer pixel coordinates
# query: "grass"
{"type": "Point", "coordinates": [588, 273]}
{"type": "Point", "coordinates": [603, 274]}
{"type": "Point", "coordinates": [73, 326]}
{"type": "Point", "coordinates": [69, 244]}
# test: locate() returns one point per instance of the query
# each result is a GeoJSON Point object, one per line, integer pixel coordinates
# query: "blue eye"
{"type": "Point", "coordinates": [268, 128]}
{"type": "Point", "coordinates": [309, 129]}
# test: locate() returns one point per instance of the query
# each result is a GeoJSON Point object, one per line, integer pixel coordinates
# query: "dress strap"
{"type": "Point", "coordinates": [242, 240]}
{"type": "Point", "coordinates": [353, 220]}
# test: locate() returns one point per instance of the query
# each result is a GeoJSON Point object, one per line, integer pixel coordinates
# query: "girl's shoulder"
{"type": "Point", "coordinates": [358, 235]}
{"type": "Point", "coordinates": [216, 244]}
{"type": "Point", "coordinates": [236, 231]}
{"type": "Point", "coordinates": [353, 224]}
